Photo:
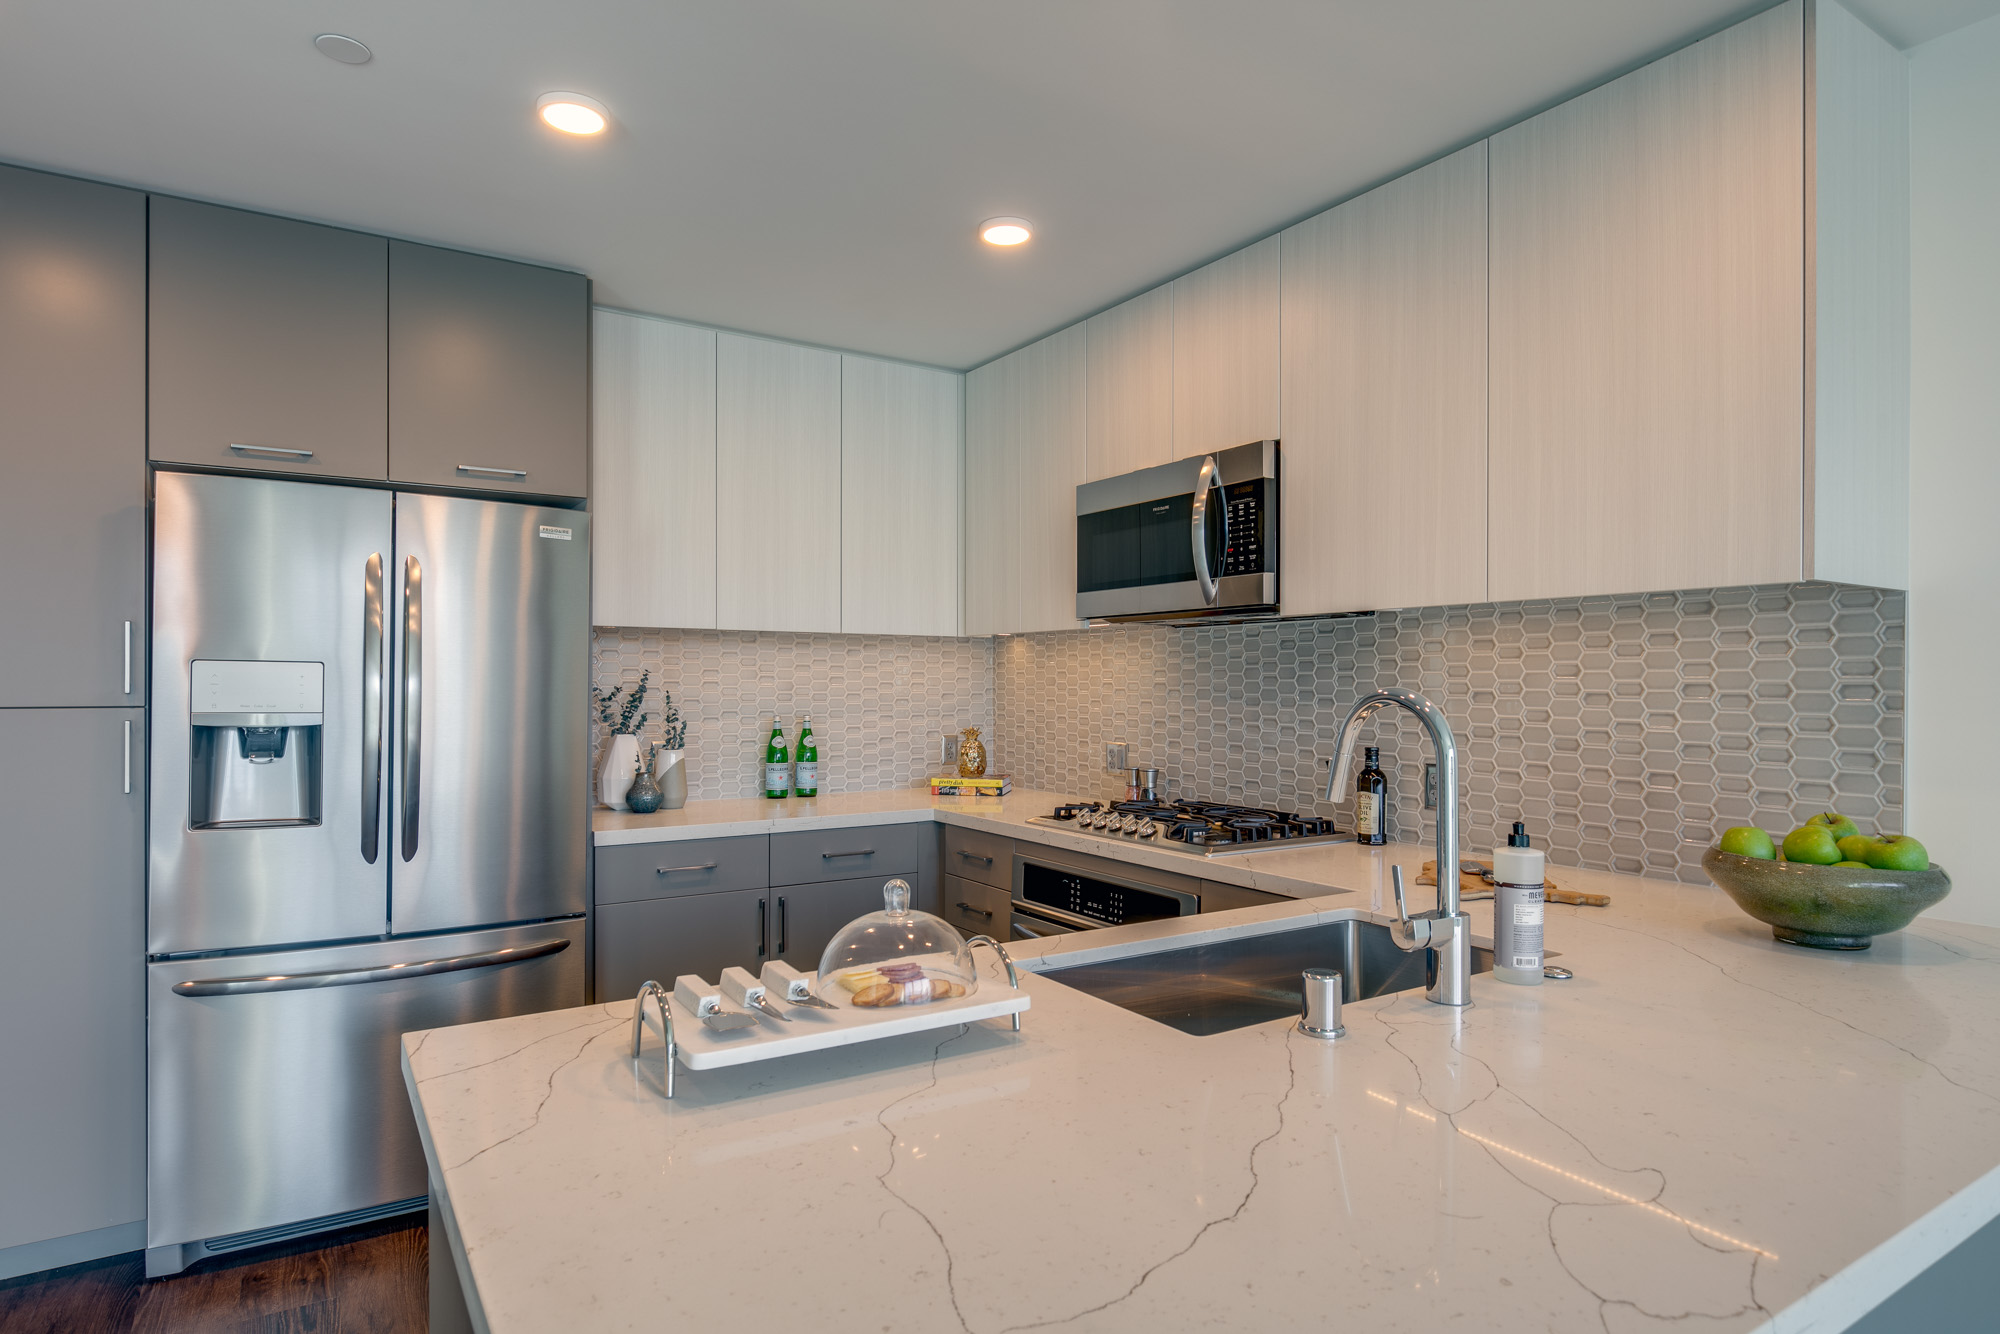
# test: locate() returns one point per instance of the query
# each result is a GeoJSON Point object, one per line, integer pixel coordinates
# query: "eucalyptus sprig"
{"type": "Point", "coordinates": [674, 727]}
{"type": "Point", "coordinates": [621, 717]}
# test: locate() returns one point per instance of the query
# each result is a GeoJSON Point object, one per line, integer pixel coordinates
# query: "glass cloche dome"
{"type": "Point", "coordinates": [898, 956]}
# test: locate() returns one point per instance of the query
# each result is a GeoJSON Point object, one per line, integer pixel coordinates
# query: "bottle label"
{"type": "Point", "coordinates": [776, 777]}
{"type": "Point", "coordinates": [1367, 813]}
{"type": "Point", "coordinates": [808, 780]}
{"type": "Point", "coordinates": [1517, 925]}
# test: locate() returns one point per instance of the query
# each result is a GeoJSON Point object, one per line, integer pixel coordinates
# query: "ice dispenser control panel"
{"type": "Point", "coordinates": [233, 689]}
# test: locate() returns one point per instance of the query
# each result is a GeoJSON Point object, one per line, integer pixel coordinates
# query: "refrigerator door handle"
{"type": "Point", "coordinates": [371, 709]}
{"type": "Point", "coordinates": [413, 699]}
{"type": "Point", "coordinates": [347, 977]}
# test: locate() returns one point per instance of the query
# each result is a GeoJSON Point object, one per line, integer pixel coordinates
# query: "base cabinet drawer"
{"type": "Point", "coordinates": [987, 858]}
{"type": "Point", "coordinates": [630, 871]}
{"type": "Point", "coordinates": [813, 856]}
{"type": "Point", "coordinates": [976, 909]}
{"type": "Point", "coordinates": [688, 933]}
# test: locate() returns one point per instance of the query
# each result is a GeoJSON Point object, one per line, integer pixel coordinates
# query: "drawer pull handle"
{"type": "Point", "coordinates": [974, 857]}
{"type": "Point", "coordinates": [859, 852]}
{"type": "Point", "coordinates": [669, 870]}
{"type": "Point", "coordinates": [987, 913]}
{"type": "Point", "coordinates": [520, 474]}
{"type": "Point", "coordinates": [278, 451]}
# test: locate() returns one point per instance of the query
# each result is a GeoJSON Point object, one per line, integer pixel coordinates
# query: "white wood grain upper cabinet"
{"type": "Point", "coordinates": [1024, 427]}
{"type": "Point", "coordinates": [653, 465]}
{"type": "Point", "coordinates": [899, 498]}
{"type": "Point", "coordinates": [1226, 351]}
{"type": "Point", "coordinates": [1648, 368]}
{"type": "Point", "coordinates": [1129, 386]}
{"type": "Point", "coordinates": [1384, 458]}
{"type": "Point", "coordinates": [992, 505]}
{"type": "Point", "coordinates": [777, 484]}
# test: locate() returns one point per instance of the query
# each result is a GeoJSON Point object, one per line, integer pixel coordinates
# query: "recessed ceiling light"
{"type": "Point", "coordinates": [573, 113]}
{"type": "Point", "coordinates": [1005, 231]}
{"type": "Point", "coordinates": [344, 49]}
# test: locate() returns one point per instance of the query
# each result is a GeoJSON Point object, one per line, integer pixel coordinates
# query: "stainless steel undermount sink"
{"type": "Point", "coordinates": [1228, 984]}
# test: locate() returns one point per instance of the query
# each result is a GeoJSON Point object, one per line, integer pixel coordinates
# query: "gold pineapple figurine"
{"type": "Point", "coordinates": [971, 755]}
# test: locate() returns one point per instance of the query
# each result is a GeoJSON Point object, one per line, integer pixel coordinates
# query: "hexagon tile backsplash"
{"type": "Point", "coordinates": [1625, 731]}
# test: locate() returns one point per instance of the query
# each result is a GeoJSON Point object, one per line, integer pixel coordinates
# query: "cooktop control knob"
{"type": "Point", "coordinates": [1147, 829]}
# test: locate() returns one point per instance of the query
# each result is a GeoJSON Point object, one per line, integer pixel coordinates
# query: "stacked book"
{"type": "Point", "coordinates": [953, 785]}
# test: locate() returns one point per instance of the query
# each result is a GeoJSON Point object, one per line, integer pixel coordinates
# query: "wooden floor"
{"type": "Point", "coordinates": [372, 1279]}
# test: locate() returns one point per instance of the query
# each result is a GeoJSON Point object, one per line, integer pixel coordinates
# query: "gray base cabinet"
{"type": "Point", "coordinates": [73, 433]}
{"type": "Point", "coordinates": [688, 933]}
{"type": "Point", "coordinates": [72, 973]}
{"type": "Point", "coordinates": [806, 917]}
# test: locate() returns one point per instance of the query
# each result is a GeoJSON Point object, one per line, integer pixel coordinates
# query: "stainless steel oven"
{"type": "Point", "coordinates": [1184, 540]}
{"type": "Point", "coordinates": [1053, 900]}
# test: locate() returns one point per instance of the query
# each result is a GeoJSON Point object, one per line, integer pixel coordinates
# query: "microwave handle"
{"type": "Point", "coordinates": [1206, 482]}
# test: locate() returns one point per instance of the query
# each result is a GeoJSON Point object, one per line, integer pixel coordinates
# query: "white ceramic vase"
{"type": "Point", "coordinates": [614, 776]}
{"type": "Point", "coordinates": [670, 772]}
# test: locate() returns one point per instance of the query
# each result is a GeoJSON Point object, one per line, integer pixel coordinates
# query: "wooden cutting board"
{"type": "Point", "coordinates": [1471, 886]}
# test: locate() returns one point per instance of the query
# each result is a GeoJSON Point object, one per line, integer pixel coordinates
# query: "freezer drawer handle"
{"type": "Point", "coordinates": [273, 449]}
{"type": "Point", "coordinates": [520, 473]}
{"type": "Point", "coordinates": [348, 977]}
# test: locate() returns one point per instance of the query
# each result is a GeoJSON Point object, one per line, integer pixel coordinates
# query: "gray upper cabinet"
{"type": "Point", "coordinates": [267, 342]}
{"type": "Point", "coordinates": [73, 432]}
{"type": "Point", "coordinates": [489, 373]}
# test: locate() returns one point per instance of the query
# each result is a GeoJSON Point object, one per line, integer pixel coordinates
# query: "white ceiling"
{"type": "Point", "coordinates": [814, 169]}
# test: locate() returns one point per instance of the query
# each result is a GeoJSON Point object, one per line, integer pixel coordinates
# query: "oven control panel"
{"type": "Point", "coordinates": [1099, 900]}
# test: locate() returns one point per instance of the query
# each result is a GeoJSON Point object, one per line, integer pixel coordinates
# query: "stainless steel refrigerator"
{"type": "Point", "coordinates": [369, 815]}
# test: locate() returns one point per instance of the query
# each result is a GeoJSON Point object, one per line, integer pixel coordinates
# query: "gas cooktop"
{"type": "Point", "coordinates": [1198, 828]}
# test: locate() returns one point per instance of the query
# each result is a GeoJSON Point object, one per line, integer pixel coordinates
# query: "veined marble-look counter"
{"type": "Point", "coordinates": [1704, 1129]}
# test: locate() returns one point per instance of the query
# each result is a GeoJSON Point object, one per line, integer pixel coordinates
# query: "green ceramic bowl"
{"type": "Point", "coordinates": [1826, 907]}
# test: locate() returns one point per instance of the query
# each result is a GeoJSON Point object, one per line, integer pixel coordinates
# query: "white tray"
{"type": "Point", "coordinates": [701, 1048]}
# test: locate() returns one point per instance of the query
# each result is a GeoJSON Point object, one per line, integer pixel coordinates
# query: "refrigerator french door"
{"type": "Point", "coordinates": [369, 816]}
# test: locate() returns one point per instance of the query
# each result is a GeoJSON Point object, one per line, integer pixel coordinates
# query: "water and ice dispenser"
{"type": "Point", "coordinates": [256, 745]}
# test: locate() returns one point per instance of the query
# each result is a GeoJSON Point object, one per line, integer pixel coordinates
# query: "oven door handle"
{"type": "Point", "coordinates": [1207, 481]}
{"type": "Point", "coordinates": [1064, 921]}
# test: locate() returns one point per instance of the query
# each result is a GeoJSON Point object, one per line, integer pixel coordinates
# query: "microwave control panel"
{"type": "Point", "coordinates": [1249, 548]}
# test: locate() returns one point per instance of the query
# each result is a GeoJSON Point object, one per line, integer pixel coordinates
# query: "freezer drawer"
{"type": "Point", "coordinates": [271, 1106]}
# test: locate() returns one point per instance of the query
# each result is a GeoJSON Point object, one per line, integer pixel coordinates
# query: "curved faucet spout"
{"type": "Point", "coordinates": [1448, 939]}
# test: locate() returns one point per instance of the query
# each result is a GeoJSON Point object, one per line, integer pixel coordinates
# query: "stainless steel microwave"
{"type": "Point", "coordinates": [1183, 540]}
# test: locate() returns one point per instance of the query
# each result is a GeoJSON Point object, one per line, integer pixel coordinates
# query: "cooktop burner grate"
{"type": "Point", "coordinates": [1205, 828]}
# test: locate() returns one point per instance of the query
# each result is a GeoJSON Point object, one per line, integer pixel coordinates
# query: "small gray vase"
{"type": "Point", "coordinates": [644, 794]}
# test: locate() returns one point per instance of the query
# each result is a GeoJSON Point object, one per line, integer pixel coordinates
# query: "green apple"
{"type": "Point", "coordinates": [1748, 840]}
{"type": "Point", "coordinates": [1855, 848]}
{"type": "Point", "coordinates": [1897, 852]}
{"type": "Point", "coordinates": [1812, 844]}
{"type": "Point", "coordinates": [1841, 826]}
{"type": "Point", "coordinates": [1863, 865]}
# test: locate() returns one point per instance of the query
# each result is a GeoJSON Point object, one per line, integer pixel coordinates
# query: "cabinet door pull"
{"type": "Point", "coordinates": [987, 913]}
{"type": "Point", "coordinates": [858, 852]}
{"type": "Point", "coordinates": [278, 450]}
{"type": "Point", "coordinates": [128, 757]}
{"type": "Point", "coordinates": [518, 474]}
{"type": "Point", "coordinates": [974, 857]}
{"type": "Point", "coordinates": [762, 909]}
{"type": "Point", "coordinates": [670, 870]}
{"type": "Point", "coordinates": [128, 657]}
{"type": "Point", "coordinates": [781, 923]}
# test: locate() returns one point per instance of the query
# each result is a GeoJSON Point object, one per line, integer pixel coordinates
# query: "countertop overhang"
{"type": "Point", "coordinates": [1703, 1127]}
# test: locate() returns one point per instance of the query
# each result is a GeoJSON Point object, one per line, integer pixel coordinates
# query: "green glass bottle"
{"type": "Point", "coordinates": [807, 782]}
{"type": "Point", "coordinates": [777, 764]}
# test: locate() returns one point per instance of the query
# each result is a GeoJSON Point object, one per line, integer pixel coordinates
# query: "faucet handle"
{"type": "Point", "coordinates": [1402, 904]}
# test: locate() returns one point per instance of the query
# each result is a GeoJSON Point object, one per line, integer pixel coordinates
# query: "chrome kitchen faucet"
{"type": "Point", "coordinates": [1446, 932]}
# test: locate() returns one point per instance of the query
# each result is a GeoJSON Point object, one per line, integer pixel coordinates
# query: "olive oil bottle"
{"type": "Point", "coordinates": [807, 782]}
{"type": "Point", "coordinates": [777, 764]}
{"type": "Point", "coordinates": [1371, 803]}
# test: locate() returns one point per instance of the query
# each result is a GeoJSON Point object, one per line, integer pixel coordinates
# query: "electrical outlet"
{"type": "Point", "coordinates": [948, 748]}
{"type": "Point", "coordinates": [1115, 756]}
{"type": "Point", "coordinates": [1430, 787]}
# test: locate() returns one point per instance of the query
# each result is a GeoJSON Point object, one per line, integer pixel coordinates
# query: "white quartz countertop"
{"type": "Point", "coordinates": [1704, 1129]}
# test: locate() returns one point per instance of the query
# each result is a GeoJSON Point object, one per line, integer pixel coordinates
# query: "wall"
{"type": "Point", "coordinates": [1955, 456]}
{"type": "Point", "coordinates": [1625, 731]}
{"type": "Point", "coordinates": [878, 702]}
